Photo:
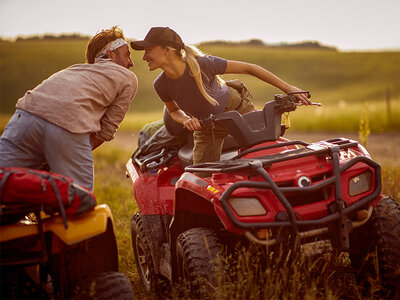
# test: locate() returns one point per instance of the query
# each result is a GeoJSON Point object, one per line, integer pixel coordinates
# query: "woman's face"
{"type": "Point", "coordinates": [155, 57]}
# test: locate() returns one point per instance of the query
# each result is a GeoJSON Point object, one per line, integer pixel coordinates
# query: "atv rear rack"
{"type": "Point", "coordinates": [330, 147]}
{"type": "Point", "coordinates": [10, 250]}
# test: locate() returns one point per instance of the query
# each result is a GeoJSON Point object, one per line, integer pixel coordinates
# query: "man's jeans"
{"type": "Point", "coordinates": [28, 141]}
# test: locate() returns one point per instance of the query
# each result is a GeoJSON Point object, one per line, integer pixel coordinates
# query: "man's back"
{"type": "Point", "coordinates": [77, 97]}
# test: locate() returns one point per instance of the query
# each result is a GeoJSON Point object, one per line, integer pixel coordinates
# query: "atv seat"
{"type": "Point", "coordinates": [254, 127]}
{"type": "Point", "coordinates": [185, 153]}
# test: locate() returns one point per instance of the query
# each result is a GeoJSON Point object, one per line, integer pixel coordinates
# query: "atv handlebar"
{"type": "Point", "coordinates": [289, 102]}
{"type": "Point", "coordinates": [308, 96]}
{"type": "Point", "coordinates": [283, 103]}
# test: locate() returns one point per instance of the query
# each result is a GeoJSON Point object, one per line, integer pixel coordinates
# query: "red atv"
{"type": "Point", "coordinates": [265, 190]}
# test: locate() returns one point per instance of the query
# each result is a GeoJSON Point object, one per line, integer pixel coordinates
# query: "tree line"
{"type": "Point", "coordinates": [251, 42]}
{"type": "Point", "coordinates": [260, 43]}
{"type": "Point", "coordinates": [49, 36]}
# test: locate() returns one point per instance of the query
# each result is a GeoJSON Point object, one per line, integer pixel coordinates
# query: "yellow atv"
{"type": "Point", "coordinates": [55, 242]}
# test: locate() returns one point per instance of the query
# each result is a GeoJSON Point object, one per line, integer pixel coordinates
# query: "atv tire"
{"type": "Point", "coordinates": [144, 262]}
{"type": "Point", "coordinates": [197, 251]}
{"type": "Point", "coordinates": [381, 235]}
{"type": "Point", "coordinates": [112, 285]}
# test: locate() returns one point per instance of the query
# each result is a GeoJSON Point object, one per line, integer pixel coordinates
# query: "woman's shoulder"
{"type": "Point", "coordinates": [160, 78]}
{"type": "Point", "coordinates": [212, 64]}
{"type": "Point", "coordinates": [160, 81]}
{"type": "Point", "coordinates": [209, 59]}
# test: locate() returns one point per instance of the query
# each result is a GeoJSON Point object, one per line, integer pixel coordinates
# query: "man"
{"type": "Point", "coordinates": [73, 111]}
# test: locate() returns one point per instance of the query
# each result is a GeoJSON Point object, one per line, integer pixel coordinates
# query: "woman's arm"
{"type": "Point", "coordinates": [239, 67]}
{"type": "Point", "coordinates": [191, 123]}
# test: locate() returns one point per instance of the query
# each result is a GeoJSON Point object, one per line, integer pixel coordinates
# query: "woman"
{"type": "Point", "coordinates": [191, 86]}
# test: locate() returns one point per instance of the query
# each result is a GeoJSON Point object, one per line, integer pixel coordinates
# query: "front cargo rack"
{"type": "Point", "coordinates": [331, 147]}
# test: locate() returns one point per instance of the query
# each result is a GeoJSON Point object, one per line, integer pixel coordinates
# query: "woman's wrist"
{"type": "Point", "coordinates": [187, 119]}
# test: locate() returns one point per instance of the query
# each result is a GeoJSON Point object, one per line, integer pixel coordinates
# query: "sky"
{"type": "Point", "coordinates": [346, 24]}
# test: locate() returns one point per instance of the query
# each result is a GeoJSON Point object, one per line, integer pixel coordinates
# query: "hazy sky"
{"type": "Point", "coordinates": [346, 24]}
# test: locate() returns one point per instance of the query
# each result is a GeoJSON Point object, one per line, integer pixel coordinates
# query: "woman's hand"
{"type": "Point", "coordinates": [300, 96]}
{"type": "Point", "coordinates": [192, 124]}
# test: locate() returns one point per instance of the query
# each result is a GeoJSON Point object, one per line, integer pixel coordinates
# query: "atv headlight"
{"type": "Point", "coordinates": [247, 207]}
{"type": "Point", "coordinates": [360, 183]}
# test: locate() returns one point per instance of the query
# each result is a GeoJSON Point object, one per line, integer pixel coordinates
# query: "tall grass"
{"type": "Point", "coordinates": [391, 182]}
{"type": "Point", "coordinates": [113, 188]}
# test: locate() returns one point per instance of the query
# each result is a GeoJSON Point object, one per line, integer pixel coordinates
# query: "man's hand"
{"type": "Point", "coordinates": [95, 141]}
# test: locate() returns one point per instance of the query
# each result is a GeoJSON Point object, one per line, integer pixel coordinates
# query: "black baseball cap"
{"type": "Point", "coordinates": [159, 36]}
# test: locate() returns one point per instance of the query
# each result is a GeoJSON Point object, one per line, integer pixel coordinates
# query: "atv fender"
{"type": "Point", "coordinates": [192, 194]}
{"type": "Point", "coordinates": [90, 224]}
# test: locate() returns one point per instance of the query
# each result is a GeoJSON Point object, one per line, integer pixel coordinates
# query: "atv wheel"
{"type": "Point", "coordinates": [197, 251]}
{"type": "Point", "coordinates": [380, 236]}
{"type": "Point", "coordinates": [112, 285]}
{"type": "Point", "coordinates": [143, 258]}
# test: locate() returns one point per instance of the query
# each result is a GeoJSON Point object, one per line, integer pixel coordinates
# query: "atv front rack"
{"type": "Point", "coordinates": [332, 148]}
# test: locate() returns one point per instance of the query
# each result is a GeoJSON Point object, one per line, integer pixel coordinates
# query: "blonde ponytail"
{"type": "Point", "coordinates": [189, 56]}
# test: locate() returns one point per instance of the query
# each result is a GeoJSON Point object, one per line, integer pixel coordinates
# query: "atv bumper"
{"type": "Point", "coordinates": [336, 220]}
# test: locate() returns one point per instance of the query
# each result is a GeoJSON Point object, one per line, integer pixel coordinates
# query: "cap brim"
{"type": "Point", "coordinates": [139, 45]}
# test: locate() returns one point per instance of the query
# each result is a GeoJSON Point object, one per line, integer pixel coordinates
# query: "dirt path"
{"type": "Point", "coordinates": [383, 147]}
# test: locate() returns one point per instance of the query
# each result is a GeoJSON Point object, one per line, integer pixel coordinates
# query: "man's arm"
{"type": "Point", "coordinates": [116, 111]}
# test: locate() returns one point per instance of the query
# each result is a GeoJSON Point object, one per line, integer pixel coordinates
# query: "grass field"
{"type": "Point", "coordinates": [341, 81]}
{"type": "Point", "coordinates": [342, 116]}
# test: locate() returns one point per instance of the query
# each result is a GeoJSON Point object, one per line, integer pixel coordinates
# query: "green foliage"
{"type": "Point", "coordinates": [260, 43]}
{"type": "Point", "coordinates": [51, 36]}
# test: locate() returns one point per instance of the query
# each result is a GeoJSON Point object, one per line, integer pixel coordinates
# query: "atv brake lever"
{"type": "Point", "coordinates": [298, 103]}
{"type": "Point", "coordinates": [312, 103]}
